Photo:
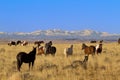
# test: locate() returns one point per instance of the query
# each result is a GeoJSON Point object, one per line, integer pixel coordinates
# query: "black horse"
{"type": "Point", "coordinates": [49, 49]}
{"type": "Point", "coordinates": [19, 42]}
{"type": "Point", "coordinates": [26, 58]}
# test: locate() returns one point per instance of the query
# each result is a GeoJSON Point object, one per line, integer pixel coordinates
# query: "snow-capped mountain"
{"type": "Point", "coordinates": [60, 34]}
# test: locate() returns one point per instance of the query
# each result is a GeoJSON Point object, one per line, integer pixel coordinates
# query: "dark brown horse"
{"type": "Point", "coordinates": [23, 57]}
{"type": "Point", "coordinates": [38, 43]}
{"type": "Point", "coordinates": [49, 49]}
{"type": "Point", "coordinates": [12, 43]}
{"type": "Point", "coordinates": [93, 41]}
{"type": "Point", "coordinates": [88, 49]}
{"type": "Point", "coordinates": [101, 41]}
{"type": "Point", "coordinates": [119, 41]}
{"type": "Point", "coordinates": [19, 42]}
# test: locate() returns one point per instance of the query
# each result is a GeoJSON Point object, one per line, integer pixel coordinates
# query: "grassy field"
{"type": "Point", "coordinates": [99, 67]}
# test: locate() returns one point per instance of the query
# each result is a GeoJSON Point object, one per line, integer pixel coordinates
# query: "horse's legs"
{"type": "Point", "coordinates": [85, 59]}
{"type": "Point", "coordinates": [32, 64]}
{"type": "Point", "coordinates": [97, 53]}
{"type": "Point", "coordinates": [93, 53]}
{"type": "Point", "coordinates": [19, 65]}
{"type": "Point", "coordinates": [29, 65]}
{"type": "Point", "coordinates": [53, 54]}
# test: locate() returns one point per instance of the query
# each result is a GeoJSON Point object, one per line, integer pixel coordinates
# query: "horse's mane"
{"type": "Point", "coordinates": [33, 51]}
{"type": "Point", "coordinates": [84, 45]}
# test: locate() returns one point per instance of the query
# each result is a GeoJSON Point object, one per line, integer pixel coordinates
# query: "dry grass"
{"type": "Point", "coordinates": [99, 67]}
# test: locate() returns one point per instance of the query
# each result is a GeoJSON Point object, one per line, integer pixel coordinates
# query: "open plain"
{"type": "Point", "coordinates": [105, 66]}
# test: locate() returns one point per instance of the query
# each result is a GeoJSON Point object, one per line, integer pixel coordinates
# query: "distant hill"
{"type": "Point", "coordinates": [60, 34]}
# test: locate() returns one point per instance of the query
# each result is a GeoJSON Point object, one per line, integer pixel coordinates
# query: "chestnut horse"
{"type": "Point", "coordinates": [88, 49]}
{"type": "Point", "coordinates": [40, 50]}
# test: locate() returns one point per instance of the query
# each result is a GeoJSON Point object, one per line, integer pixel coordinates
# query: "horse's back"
{"type": "Point", "coordinates": [21, 55]}
{"type": "Point", "coordinates": [53, 49]}
{"type": "Point", "coordinates": [90, 50]}
{"type": "Point", "coordinates": [87, 50]}
{"type": "Point", "coordinates": [93, 49]}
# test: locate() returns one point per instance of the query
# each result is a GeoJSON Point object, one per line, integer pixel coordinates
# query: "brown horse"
{"type": "Point", "coordinates": [93, 41]}
{"type": "Point", "coordinates": [119, 41]}
{"type": "Point", "coordinates": [101, 41]}
{"type": "Point", "coordinates": [40, 50]}
{"type": "Point", "coordinates": [38, 43]}
{"type": "Point", "coordinates": [88, 49]}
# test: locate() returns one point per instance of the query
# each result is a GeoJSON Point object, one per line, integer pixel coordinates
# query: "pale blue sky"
{"type": "Point", "coordinates": [32, 15]}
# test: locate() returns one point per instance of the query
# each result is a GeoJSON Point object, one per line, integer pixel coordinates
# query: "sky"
{"type": "Point", "coordinates": [71, 15]}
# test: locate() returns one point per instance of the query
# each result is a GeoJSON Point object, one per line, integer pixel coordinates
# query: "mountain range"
{"type": "Point", "coordinates": [60, 34]}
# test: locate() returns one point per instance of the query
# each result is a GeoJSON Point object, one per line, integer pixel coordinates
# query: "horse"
{"type": "Point", "coordinates": [93, 41]}
{"type": "Point", "coordinates": [40, 50]}
{"type": "Point", "coordinates": [49, 49]}
{"type": "Point", "coordinates": [24, 43]}
{"type": "Point", "coordinates": [19, 42]}
{"type": "Point", "coordinates": [12, 43]}
{"type": "Point", "coordinates": [88, 49]}
{"type": "Point", "coordinates": [101, 41]}
{"type": "Point", "coordinates": [38, 43]}
{"type": "Point", "coordinates": [68, 51]}
{"type": "Point", "coordinates": [99, 48]}
{"type": "Point", "coordinates": [119, 41]}
{"type": "Point", "coordinates": [23, 57]}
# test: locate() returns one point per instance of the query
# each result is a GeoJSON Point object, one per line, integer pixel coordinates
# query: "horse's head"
{"type": "Point", "coordinates": [50, 43]}
{"type": "Point", "coordinates": [83, 46]}
{"type": "Point", "coordinates": [47, 45]}
{"type": "Point", "coordinates": [100, 45]}
{"type": "Point", "coordinates": [71, 46]}
{"type": "Point", "coordinates": [34, 49]}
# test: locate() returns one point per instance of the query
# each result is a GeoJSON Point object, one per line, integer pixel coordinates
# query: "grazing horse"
{"type": "Point", "coordinates": [119, 41]}
{"type": "Point", "coordinates": [49, 49]}
{"type": "Point", "coordinates": [23, 57]}
{"type": "Point", "coordinates": [99, 48]}
{"type": "Point", "coordinates": [19, 42]}
{"type": "Point", "coordinates": [38, 43]}
{"type": "Point", "coordinates": [88, 49]}
{"type": "Point", "coordinates": [12, 43]}
{"type": "Point", "coordinates": [93, 41]}
{"type": "Point", "coordinates": [24, 43]}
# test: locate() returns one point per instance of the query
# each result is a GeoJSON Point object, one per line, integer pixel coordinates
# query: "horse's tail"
{"type": "Point", "coordinates": [19, 63]}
